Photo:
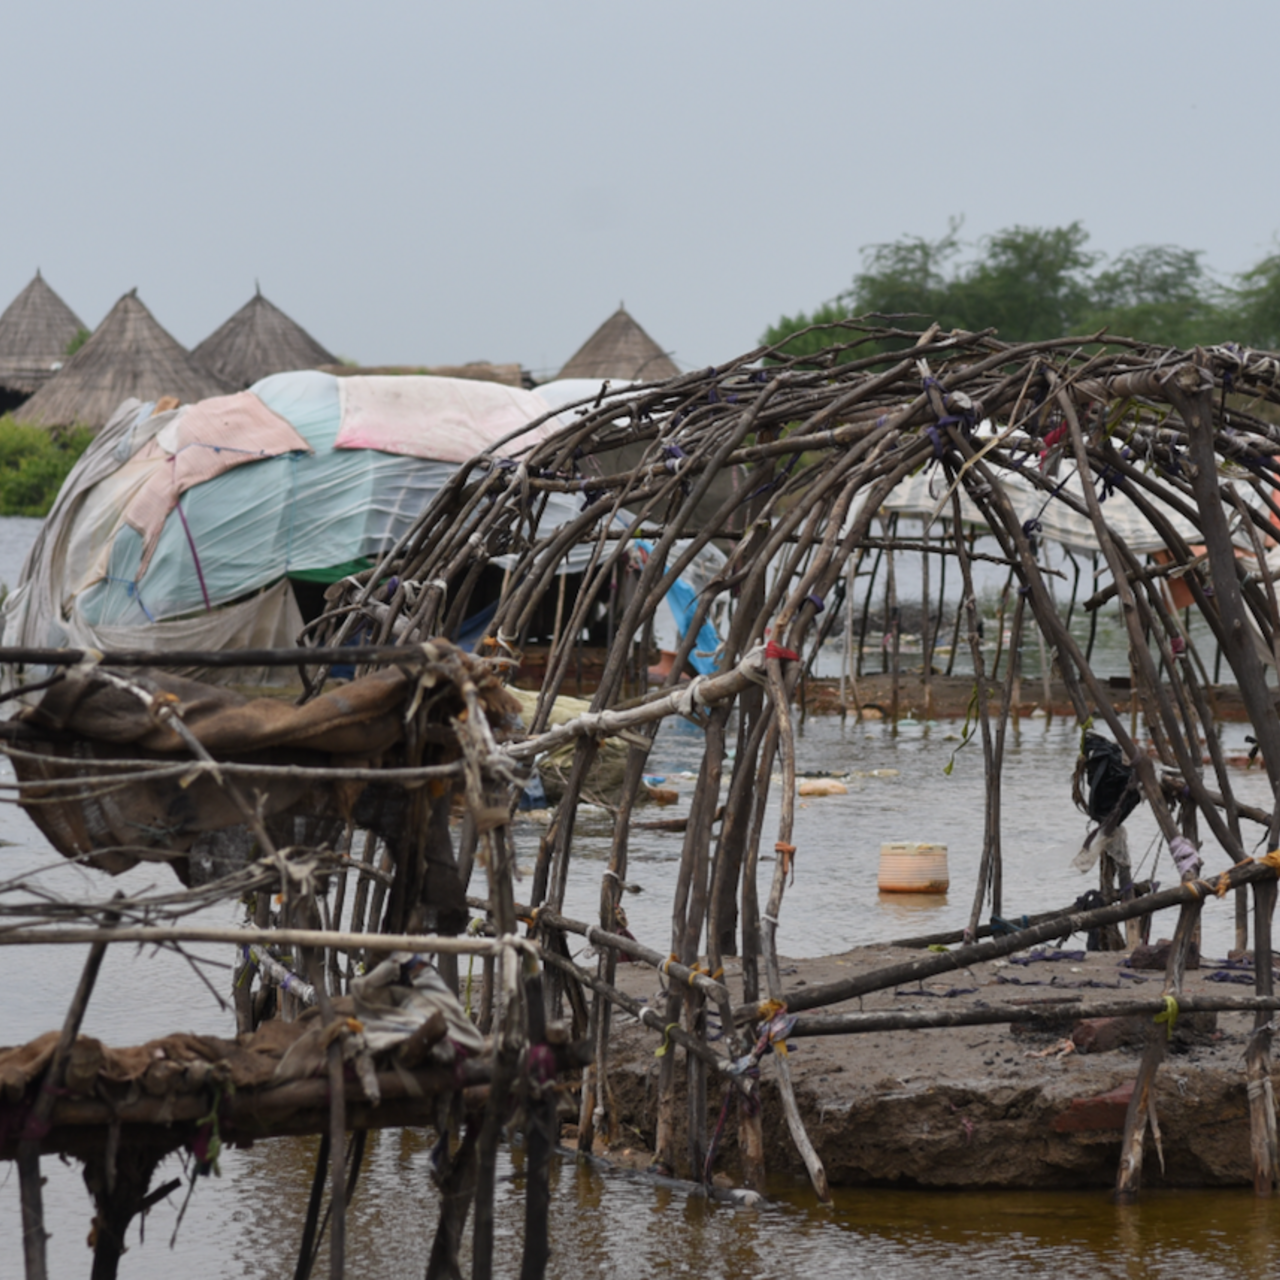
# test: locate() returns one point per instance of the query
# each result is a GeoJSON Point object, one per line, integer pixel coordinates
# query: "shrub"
{"type": "Point", "coordinates": [33, 464]}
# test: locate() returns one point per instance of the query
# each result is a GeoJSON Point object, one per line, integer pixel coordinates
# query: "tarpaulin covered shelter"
{"type": "Point", "coordinates": [257, 341]}
{"type": "Point", "coordinates": [183, 528]}
{"type": "Point", "coordinates": [196, 527]}
{"type": "Point", "coordinates": [35, 330]}
{"type": "Point", "coordinates": [129, 354]}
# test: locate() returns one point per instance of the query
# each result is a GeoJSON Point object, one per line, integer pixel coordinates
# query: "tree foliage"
{"type": "Point", "coordinates": [33, 464]}
{"type": "Point", "coordinates": [1032, 283]}
{"type": "Point", "coordinates": [1257, 305]}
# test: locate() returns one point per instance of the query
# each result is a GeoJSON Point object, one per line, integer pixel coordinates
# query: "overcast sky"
{"type": "Point", "coordinates": [432, 183]}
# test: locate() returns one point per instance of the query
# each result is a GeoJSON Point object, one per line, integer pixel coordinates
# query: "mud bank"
{"type": "Point", "coordinates": [987, 1106]}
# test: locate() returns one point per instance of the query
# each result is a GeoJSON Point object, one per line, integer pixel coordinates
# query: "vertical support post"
{"type": "Point", "coordinates": [34, 1237]}
{"type": "Point", "coordinates": [1262, 1103]}
{"type": "Point", "coordinates": [1142, 1106]}
{"type": "Point", "coordinates": [926, 630]}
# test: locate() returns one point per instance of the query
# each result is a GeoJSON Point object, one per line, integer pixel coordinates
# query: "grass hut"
{"type": "Point", "coordinates": [129, 354]}
{"type": "Point", "coordinates": [620, 348]}
{"type": "Point", "coordinates": [35, 330]}
{"type": "Point", "coordinates": [257, 341]}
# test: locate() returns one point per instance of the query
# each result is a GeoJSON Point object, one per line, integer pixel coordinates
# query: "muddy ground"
{"type": "Point", "coordinates": [988, 1106]}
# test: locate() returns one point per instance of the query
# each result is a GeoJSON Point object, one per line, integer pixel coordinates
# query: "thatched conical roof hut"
{"type": "Point", "coordinates": [35, 330]}
{"type": "Point", "coordinates": [257, 341]}
{"type": "Point", "coordinates": [620, 348]}
{"type": "Point", "coordinates": [129, 354]}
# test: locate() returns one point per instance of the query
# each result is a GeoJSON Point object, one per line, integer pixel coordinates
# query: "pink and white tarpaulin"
{"type": "Point", "coordinates": [437, 419]}
{"type": "Point", "coordinates": [202, 442]}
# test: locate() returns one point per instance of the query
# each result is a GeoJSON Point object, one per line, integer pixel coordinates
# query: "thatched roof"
{"type": "Point", "coordinates": [129, 354]}
{"type": "Point", "coordinates": [510, 375]}
{"type": "Point", "coordinates": [257, 341]}
{"type": "Point", "coordinates": [35, 329]}
{"type": "Point", "coordinates": [620, 348]}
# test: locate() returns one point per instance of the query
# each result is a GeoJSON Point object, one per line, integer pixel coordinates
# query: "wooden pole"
{"type": "Point", "coordinates": [428, 943]}
{"type": "Point", "coordinates": [34, 1236]}
{"type": "Point", "coordinates": [1142, 1107]}
{"type": "Point", "coordinates": [594, 1078]}
{"type": "Point", "coordinates": [866, 611]}
{"type": "Point", "coordinates": [1262, 1103]}
{"type": "Point", "coordinates": [845, 1024]}
{"type": "Point", "coordinates": [926, 628]}
{"type": "Point", "coordinates": [785, 854]}
{"type": "Point", "coordinates": [969, 607]}
{"type": "Point", "coordinates": [819, 995]}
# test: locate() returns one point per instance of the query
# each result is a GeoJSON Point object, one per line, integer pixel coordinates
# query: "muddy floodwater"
{"type": "Point", "coordinates": [247, 1221]}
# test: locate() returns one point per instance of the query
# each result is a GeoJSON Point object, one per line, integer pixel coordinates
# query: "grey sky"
{"type": "Point", "coordinates": [434, 183]}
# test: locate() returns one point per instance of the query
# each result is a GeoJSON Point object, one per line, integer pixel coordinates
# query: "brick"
{"type": "Point", "coordinates": [1101, 1035]}
{"type": "Point", "coordinates": [1105, 1111]}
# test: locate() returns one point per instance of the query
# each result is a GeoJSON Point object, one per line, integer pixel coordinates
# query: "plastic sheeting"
{"type": "Point", "coordinates": [94, 580]}
{"type": "Point", "coordinates": [465, 417]}
{"type": "Point", "coordinates": [681, 602]}
{"type": "Point", "coordinates": [204, 441]}
{"type": "Point", "coordinates": [926, 493]}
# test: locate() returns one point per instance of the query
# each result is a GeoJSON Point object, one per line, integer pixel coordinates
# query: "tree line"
{"type": "Point", "coordinates": [1031, 283]}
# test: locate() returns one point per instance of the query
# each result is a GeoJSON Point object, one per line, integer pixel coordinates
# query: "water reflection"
{"type": "Point", "coordinates": [910, 910]}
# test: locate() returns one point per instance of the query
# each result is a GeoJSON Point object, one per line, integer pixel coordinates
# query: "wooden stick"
{"type": "Point", "coordinates": [1142, 1103]}
{"type": "Point", "coordinates": [381, 654]}
{"type": "Point", "coordinates": [843, 1024]}
{"type": "Point", "coordinates": [595, 1084]}
{"type": "Point", "coordinates": [427, 943]}
{"type": "Point", "coordinates": [672, 1033]}
{"type": "Point", "coordinates": [682, 973]}
{"type": "Point", "coordinates": [969, 605]}
{"type": "Point", "coordinates": [819, 995]}
{"type": "Point", "coordinates": [785, 853]}
{"type": "Point", "coordinates": [33, 1233]}
{"type": "Point", "coordinates": [1262, 1106]}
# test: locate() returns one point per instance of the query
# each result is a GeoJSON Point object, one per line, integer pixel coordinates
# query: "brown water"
{"type": "Point", "coordinates": [247, 1222]}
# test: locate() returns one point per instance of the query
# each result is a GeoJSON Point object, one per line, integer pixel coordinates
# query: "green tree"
{"type": "Point", "coordinates": [33, 464]}
{"type": "Point", "coordinates": [1031, 283]}
{"type": "Point", "coordinates": [1255, 319]}
{"type": "Point", "coordinates": [903, 280]}
{"type": "Point", "coordinates": [1161, 294]}
{"type": "Point", "coordinates": [906, 278]}
{"type": "Point", "coordinates": [810, 344]}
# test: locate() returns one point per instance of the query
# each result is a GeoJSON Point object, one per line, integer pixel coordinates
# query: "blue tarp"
{"type": "Point", "coordinates": [683, 602]}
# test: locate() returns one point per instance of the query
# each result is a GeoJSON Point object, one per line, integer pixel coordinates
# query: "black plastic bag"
{"type": "Point", "coordinates": [1111, 781]}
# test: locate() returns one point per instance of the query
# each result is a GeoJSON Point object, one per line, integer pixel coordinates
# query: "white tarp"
{"type": "Point", "coordinates": [925, 494]}
{"type": "Point", "coordinates": [466, 416]}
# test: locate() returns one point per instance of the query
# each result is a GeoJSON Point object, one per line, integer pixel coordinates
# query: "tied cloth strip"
{"type": "Point", "coordinates": [774, 650]}
{"type": "Point", "coordinates": [690, 698]}
{"type": "Point", "coordinates": [1169, 1016]}
{"type": "Point", "coordinates": [1271, 859]}
{"type": "Point", "coordinates": [787, 852]}
{"type": "Point", "coordinates": [1186, 857]}
{"type": "Point", "coordinates": [661, 1050]}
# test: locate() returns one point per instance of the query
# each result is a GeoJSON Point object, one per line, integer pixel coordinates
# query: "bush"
{"type": "Point", "coordinates": [33, 464]}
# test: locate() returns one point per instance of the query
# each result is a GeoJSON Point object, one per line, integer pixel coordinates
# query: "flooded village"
{"type": "Point", "coordinates": [762, 788]}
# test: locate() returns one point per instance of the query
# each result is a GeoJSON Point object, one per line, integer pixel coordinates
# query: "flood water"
{"type": "Point", "coordinates": [247, 1222]}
